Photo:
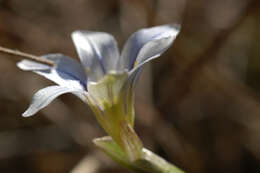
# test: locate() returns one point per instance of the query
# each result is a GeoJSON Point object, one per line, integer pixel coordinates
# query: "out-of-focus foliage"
{"type": "Point", "coordinates": [197, 106]}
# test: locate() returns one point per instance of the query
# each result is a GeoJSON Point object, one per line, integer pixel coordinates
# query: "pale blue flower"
{"type": "Point", "coordinates": [104, 79]}
{"type": "Point", "coordinates": [99, 56]}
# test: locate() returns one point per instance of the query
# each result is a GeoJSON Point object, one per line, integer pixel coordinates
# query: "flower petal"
{"type": "Point", "coordinates": [98, 52]}
{"type": "Point", "coordinates": [44, 97]}
{"type": "Point", "coordinates": [145, 44]}
{"type": "Point", "coordinates": [66, 72]}
{"type": "Point", "coordinates": [28, 65]}
{"type": "Point", "coordinates": [150, 51]}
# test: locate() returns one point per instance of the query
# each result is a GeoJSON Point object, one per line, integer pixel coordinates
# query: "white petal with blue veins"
{"type": "Point", "coordinates": [98, 52]}
{"type": "Point", "coordinates": [67, 71]}
{"type": "Point", "coordinates": [145, 44]}
{"type": "Point", "coordinates": [45, 96]}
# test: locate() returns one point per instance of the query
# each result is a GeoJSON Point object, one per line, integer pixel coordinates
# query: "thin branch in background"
{"type": "Point", "coordinates": [26, 55]}
{"type": "Point", "coordinates": [192, 69]}
{"type": "Point", "coordinates": [151, 10]}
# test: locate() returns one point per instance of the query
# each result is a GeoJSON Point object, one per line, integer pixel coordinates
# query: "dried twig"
{"type": "Point", "coordinates": [26, 55]}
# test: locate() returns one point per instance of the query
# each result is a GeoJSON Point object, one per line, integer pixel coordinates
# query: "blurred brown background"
{"type": "Point", "coordinates": [197, 106]}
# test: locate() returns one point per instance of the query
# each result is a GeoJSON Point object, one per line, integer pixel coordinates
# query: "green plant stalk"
{"type": "Point", "coordinates": [148, 162]}
{"type": "Point", "coordinates": [151, 162]}
{"type": "Point", "coordinates": [114, 109]}
{"type": "Point", "coordinates": [112, 104]}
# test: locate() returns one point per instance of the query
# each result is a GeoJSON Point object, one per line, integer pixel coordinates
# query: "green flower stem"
{"type": "Point", "coordinates": [148, 162]}
{"type": "Point", "coordinates": [151, 162]}
{"type": "Point", "coordinates": [112, 103]}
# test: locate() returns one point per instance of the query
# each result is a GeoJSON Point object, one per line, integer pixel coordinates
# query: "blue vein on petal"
{"type": "Point", "coordinates": [73, 76]}
{"type": "Point", "coordinates": [60, 72]}
{"type": "Point", "coordinates": [98, 55]}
